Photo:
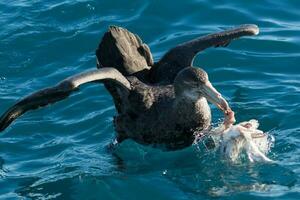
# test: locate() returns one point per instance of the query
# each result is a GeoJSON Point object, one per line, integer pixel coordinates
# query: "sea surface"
{"type": "Point", "coordinates": [60, 152]}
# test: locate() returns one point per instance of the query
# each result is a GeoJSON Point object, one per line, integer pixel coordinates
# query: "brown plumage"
{"type": "Point", "coordinates": [161, 103]}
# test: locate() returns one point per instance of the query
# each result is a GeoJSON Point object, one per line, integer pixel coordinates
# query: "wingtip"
{"type": "Point", "coordinates": [5, 120]}
{"type": "Point", "coordinates": [253, 28]}
{"type": "Point", "coordinates": [114, 28]}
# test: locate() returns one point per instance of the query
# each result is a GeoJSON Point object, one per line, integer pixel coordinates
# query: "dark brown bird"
{"type": "Point", "coordinates": [162, 103]}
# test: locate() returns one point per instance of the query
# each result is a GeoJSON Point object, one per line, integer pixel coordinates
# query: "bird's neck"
{"type": "Point", "coordinates": [192, 110]}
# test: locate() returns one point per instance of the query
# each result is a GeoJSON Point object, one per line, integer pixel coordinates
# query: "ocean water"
{"type": "Point", "coordinates": [60, 152]}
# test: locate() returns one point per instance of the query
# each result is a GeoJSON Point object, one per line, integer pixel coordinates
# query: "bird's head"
{"type": "Point", "coordinates": [193, 83]}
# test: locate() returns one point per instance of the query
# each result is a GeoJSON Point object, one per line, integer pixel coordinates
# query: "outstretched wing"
{"type": "Point", "coordinates": [182, 55]}
{"type": "Point", "coordinates": [61, 91]}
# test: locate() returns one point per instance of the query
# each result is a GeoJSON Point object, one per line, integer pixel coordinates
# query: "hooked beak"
{"type": "Point", "coordinates": [213, 96]}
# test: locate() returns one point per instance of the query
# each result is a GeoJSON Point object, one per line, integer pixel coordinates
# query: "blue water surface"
{"type": "Point", "coordinates": [61, 151]}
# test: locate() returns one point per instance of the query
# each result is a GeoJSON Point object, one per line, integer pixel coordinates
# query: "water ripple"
{"type": "Point", "coordinates": [61, 151]}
